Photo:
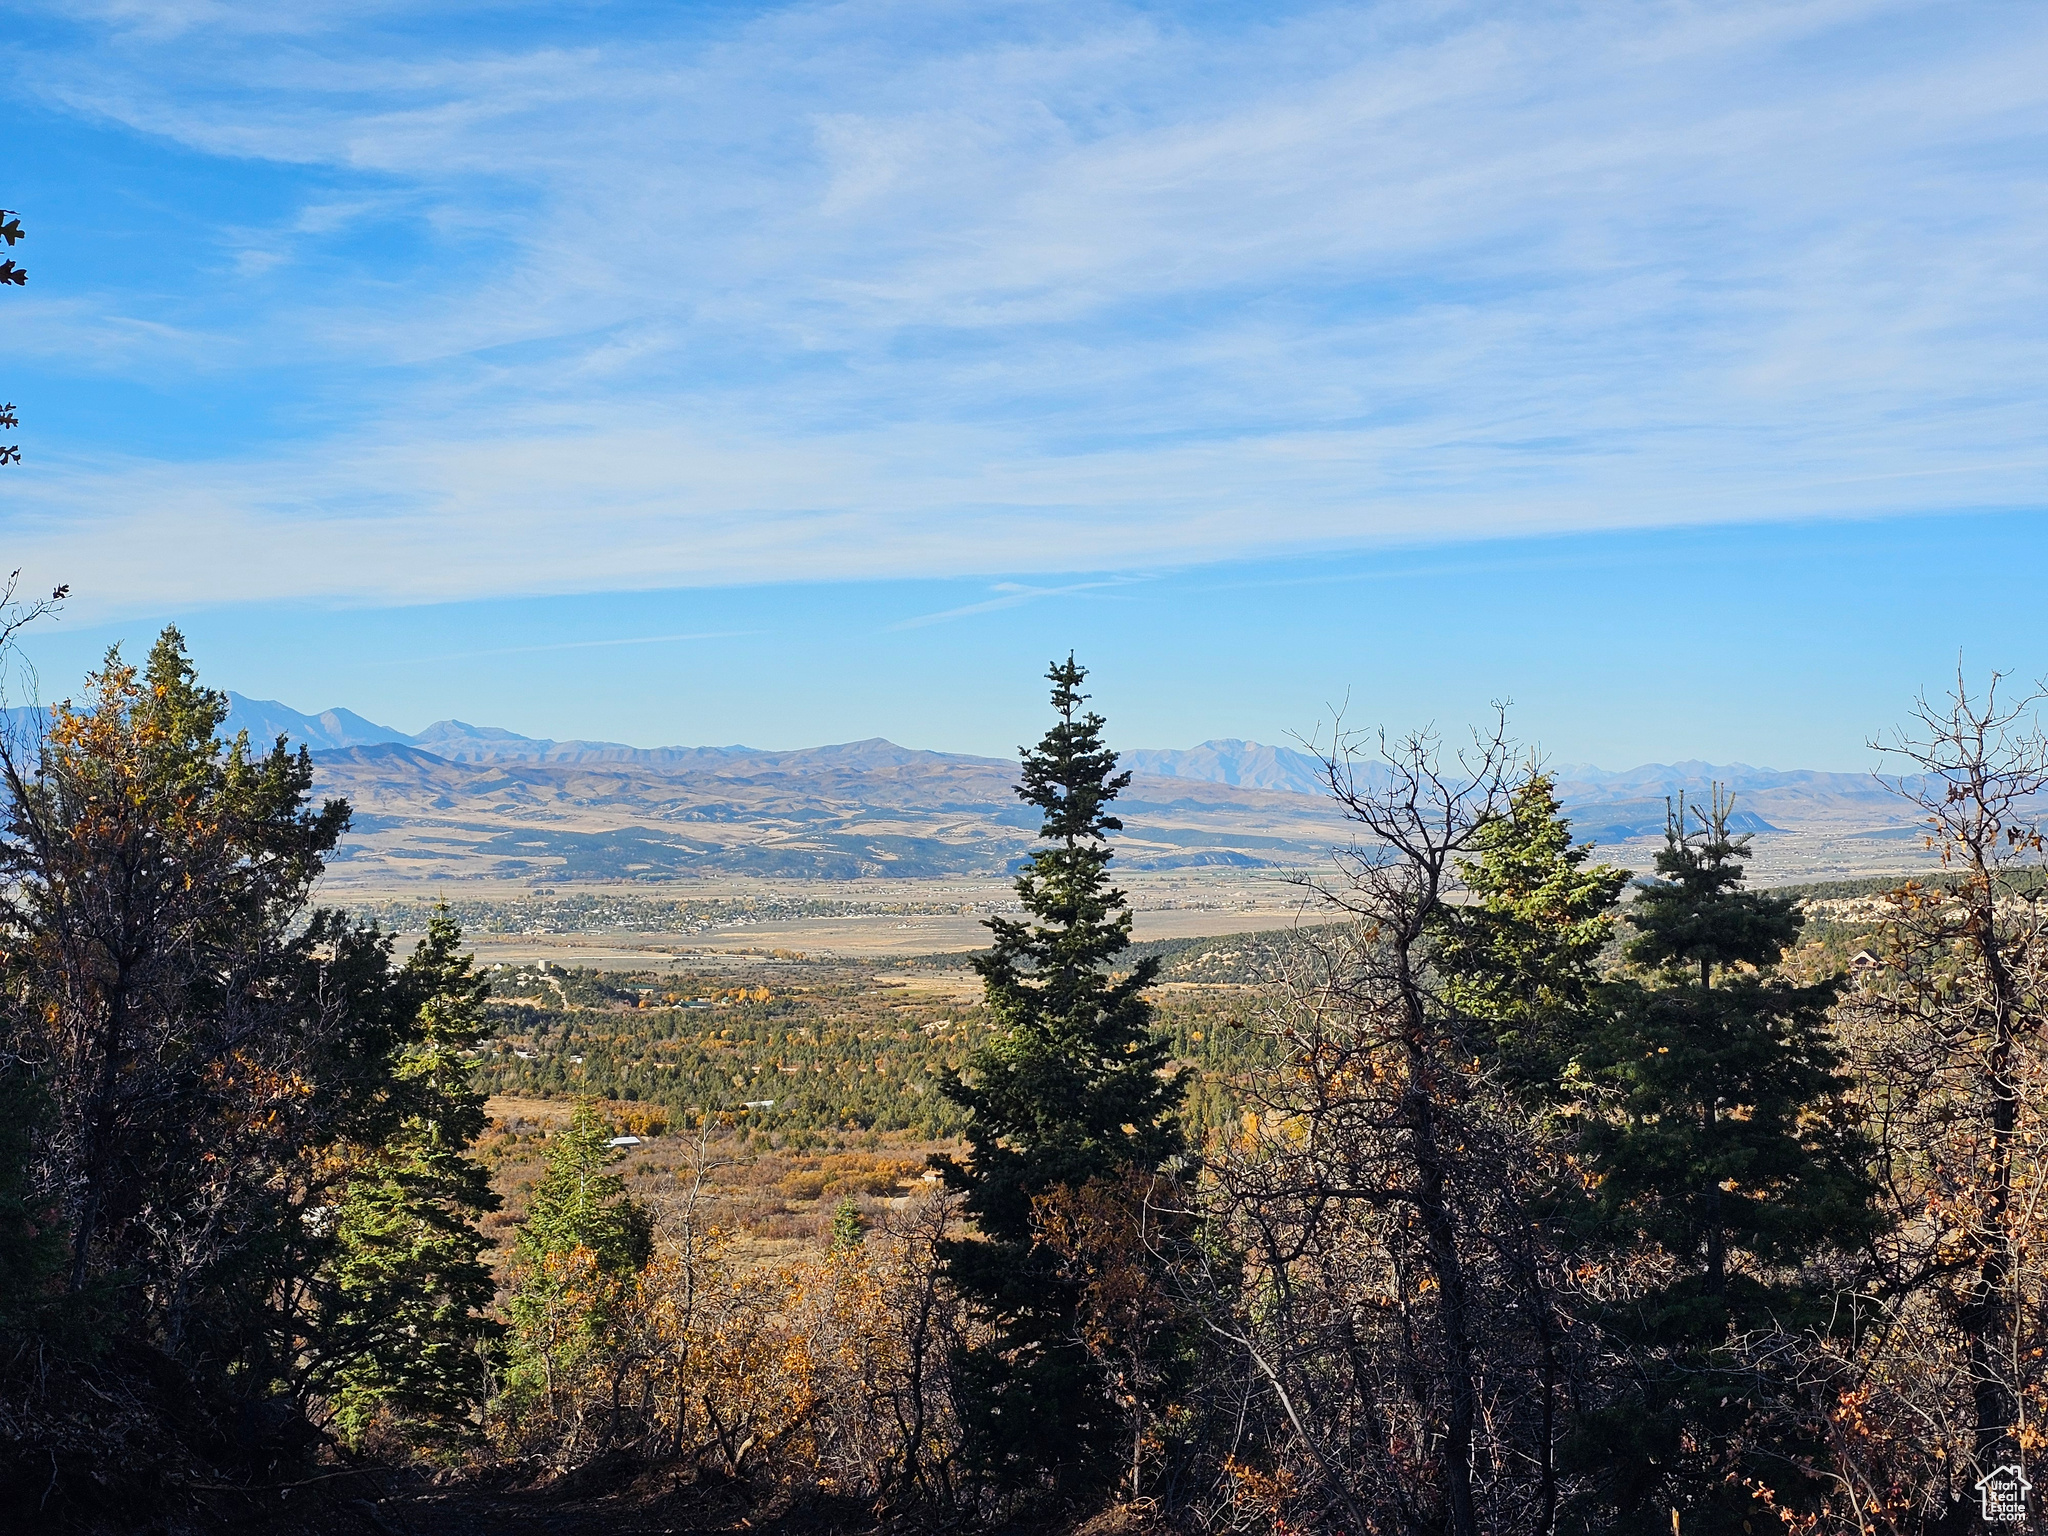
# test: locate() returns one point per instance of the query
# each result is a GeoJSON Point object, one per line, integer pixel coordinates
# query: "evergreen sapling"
{"type": "Point", "coordinates": [407, 1332]}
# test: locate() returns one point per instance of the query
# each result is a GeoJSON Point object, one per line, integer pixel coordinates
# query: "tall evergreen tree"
{"type": "Point", "coordinates": [408, 1290]}
{"type": "Point", "coordinates": [185, 1008]}
{"type": "Point", "coordinates": [1726, 1149]}
{"type": "Point", "coordinates": [1520, 966]}
{"type": "Point", "coordinates": [205, 1045]}
{"type": "Point", "coordinates": [1072, 1088]}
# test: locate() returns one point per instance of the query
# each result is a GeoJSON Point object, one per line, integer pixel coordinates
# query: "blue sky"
{"type": "Point", "coordinates": [1675, 370]}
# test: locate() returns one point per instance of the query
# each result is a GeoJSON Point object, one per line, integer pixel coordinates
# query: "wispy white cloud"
{"type": "Point", "coordinates": [1013, 594]}
{"type": "Point", "coordinates": [898, 288]}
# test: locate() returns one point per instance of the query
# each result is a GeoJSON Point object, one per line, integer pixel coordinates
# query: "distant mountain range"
{"type": "Point", "coordinates": [1245, 764]}
{"type": "Point", "coordinates": [464, 801]}
{"type": "Point", "coordinates": [1242, 764]}
{"type": "Point", "coordinates": [457, 741]}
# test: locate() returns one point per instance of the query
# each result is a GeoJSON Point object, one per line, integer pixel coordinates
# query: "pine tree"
{"type": "Point", "coordinates": [577, 1256]}
{"type": "Point", "coordinates": [1518, 971]}
{"type": "Point", "coordinates": [195, 1025]}
{"type": "Point", "coordinates": [1520, 966]}
{"type": "Point", "coordinates": [1699, 915]}
{"type": "Point", "coordinates": [158, 887]}
{"type": "Point", "coordinates": [1722, 1147]}
{"type": "Point", "coordinates": [1726, 1149]}
{"type": "Point", "coordinates": [578, 1204]}
{"type": "Point", "coordinates": [1071, 1089]}
{"type": "Point", "coordinates": [408, 1337]}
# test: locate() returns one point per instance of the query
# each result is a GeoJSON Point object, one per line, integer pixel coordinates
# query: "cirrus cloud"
{"type": "Point", "coordinates": [876, 289]}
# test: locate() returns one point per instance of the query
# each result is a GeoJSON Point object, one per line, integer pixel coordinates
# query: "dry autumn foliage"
{"type": "Point", "coordinates": [833, 1369]}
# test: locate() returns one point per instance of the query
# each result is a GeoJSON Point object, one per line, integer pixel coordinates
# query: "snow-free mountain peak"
{"type": "Point", "coordinates": [1609, 800]}
{"type": "Point", "coordinates": [265, 720]}
{"type": "Point", "coordinates": [1227, 760]}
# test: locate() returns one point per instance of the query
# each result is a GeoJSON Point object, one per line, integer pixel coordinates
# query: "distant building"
{"type": "Point", "coordinates": [623, 1141]}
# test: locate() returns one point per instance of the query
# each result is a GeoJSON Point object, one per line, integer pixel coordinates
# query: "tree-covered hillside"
{"type": "Point", "coordinates": [836, 1047]}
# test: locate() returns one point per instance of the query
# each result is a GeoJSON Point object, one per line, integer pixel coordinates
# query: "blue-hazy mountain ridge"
{"type": "Point", "coordinates": [1620, 794]}
{"type": "Point", "coordinates": [458, 800]}
{"type": "Point", "coordinates": [457, 741]}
